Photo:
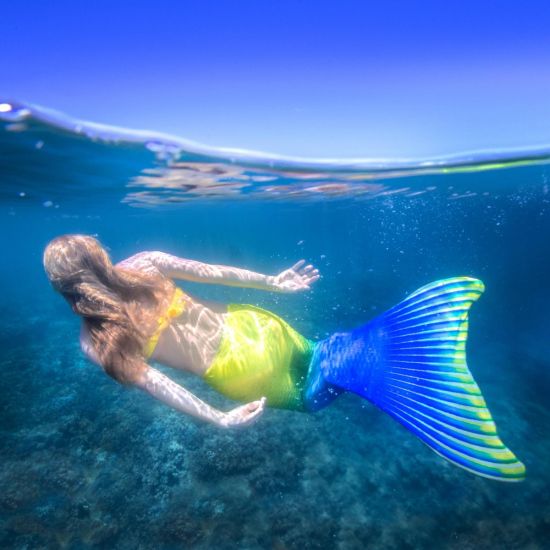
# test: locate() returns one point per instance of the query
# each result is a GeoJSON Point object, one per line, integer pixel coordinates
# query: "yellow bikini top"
{"type": "Point", "coordinates": [175, 309]}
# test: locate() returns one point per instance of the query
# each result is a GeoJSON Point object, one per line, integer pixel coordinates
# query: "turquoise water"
{"type": "Point", "coordinates": [87, 463]}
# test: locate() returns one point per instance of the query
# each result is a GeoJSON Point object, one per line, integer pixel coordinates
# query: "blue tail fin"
{"type": "Point", "coordinates": [411, 362]}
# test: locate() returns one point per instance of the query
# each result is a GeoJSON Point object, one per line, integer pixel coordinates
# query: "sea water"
{"type": "Point", "coordinates": [87, 463]}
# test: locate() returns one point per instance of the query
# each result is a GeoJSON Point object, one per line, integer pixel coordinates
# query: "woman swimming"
{"type": "Point", "coordinates": [409, 361]}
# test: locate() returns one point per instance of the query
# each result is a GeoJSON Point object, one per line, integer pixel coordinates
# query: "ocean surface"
{"type": "Point", "coordinates": [87, 463]}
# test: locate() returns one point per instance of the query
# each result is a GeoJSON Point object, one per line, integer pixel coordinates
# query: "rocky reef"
{"type": "Point", "coordinates": [87, 463]}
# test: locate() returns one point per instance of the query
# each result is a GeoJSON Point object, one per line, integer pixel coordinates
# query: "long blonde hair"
{"type": "Point", "coordinates": [120, 307]}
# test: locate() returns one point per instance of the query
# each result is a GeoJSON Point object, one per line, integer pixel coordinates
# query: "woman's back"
{"type": "Point", "coordinates": [190, 340]}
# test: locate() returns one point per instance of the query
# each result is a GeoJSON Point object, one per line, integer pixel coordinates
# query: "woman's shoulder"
{"type": "Point", "coordinates": [142, 261]}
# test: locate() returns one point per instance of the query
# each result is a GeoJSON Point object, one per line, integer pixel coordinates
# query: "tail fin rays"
{"type": "Point", "coordinates": [418, 374]}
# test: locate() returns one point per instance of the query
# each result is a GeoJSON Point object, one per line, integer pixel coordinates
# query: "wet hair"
{"type": "Point", "coordinates": [119, 306]}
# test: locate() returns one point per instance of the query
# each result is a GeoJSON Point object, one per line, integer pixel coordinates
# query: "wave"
{"type": "Point", "coordinates": [152, 168]}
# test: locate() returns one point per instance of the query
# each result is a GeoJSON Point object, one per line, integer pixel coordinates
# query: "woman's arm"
{"type": "Point", "coordinates": [164, 389]}
{"type": "Point", "coordinates": [297, 278]}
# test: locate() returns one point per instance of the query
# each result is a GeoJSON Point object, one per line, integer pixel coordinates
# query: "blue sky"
{"type": "Point", "coordinates": [346, 78]}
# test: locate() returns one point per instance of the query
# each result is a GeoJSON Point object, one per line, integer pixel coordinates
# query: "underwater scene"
{"type": "Point", "coordinates": [87, 462]}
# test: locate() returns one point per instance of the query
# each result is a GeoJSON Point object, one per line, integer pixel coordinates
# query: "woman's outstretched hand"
{"type": "Point", "coordinates": [297, 278]}
{"type": "Point", "coordinates": [244, 415]}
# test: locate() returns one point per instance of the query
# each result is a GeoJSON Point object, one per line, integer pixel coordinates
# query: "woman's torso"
{"type": "Point", "coordinates": [188, 341]}
{"type": "Point", "coordinates": [242, 351]}
{"type": "Point", "coordinates": [191, 341]}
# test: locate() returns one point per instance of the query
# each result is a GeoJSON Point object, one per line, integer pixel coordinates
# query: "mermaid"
{"type": "Point", "coordinates": [410, 361]}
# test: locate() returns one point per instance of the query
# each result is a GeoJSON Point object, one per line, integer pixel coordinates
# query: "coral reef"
{"type": "Point", "coordinates": [87, 463]}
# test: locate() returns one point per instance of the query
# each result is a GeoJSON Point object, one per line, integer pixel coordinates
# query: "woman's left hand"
{"type": "Point", "coordinates": [295, 279]}
{"type": "Point", "coordinates": [243, 415]}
